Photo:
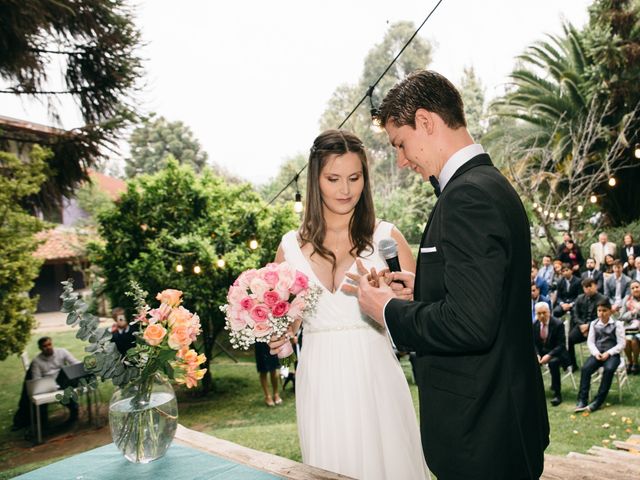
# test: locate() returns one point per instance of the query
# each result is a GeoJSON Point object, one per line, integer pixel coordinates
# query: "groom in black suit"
{"type": "Point", "coordinates": [482, 407]}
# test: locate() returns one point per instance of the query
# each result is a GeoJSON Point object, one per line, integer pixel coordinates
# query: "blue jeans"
{"type": "Point", "coordinates": [590, 366]}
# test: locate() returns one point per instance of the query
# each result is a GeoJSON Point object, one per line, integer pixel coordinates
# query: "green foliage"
{"type": "Point", "coordinates": [287, 171]}
{"type": "Point", "coordinates": [18, 268]}
{"type": "Point", "coordinates": [93, 201]}
{"type": "Point", "coordinates": [176, 217]}
{"type": "Point", "coordinates": [472, 93]}
{"type": "Point", "coordinates": [156, 140]}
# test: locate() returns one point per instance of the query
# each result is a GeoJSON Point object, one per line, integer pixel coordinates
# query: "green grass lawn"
{"type": "Point", "coordinates": [235, 411]}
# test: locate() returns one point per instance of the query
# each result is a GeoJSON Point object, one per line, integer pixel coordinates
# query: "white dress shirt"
{"type": "Point", "coordinates": [449, 169]}
{"type": "Point", "coordinates": [51, 365]}
{"type": "Point", "coordinates": [620, 339]}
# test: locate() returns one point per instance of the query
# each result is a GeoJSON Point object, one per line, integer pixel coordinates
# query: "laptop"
{"type": "Point", "coordinates": [70, 374]}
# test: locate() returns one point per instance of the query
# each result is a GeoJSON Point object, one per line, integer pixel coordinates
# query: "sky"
{"type": "Point", "coordinates": [252, 78]}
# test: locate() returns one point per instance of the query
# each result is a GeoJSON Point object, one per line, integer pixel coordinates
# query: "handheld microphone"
{"type": "Point", "coordinates": [389, 249]}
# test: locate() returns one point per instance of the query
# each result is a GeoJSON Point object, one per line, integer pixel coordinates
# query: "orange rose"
{"type": "Point", "coordinates": [170, 297]}
{"type": "Point", "coordinates": [180, 316]}
{"type": "Point", "coordinates": [179, 337]}
{"type": "Point", "coordinates": [154, 334]}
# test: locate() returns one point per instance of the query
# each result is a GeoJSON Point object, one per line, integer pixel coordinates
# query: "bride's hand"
{"type": "Point", "coordinates": [276, 343]}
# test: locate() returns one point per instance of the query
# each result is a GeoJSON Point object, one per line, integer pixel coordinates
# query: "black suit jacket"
{"type": "Point", "coordinates": [568, 295]}
{"type": "Point", "coordinates": [555, 345]}
{"type": "Point", "coordinates": [482, 408]}
{"type": "Point", "coordinates": [597, 276]}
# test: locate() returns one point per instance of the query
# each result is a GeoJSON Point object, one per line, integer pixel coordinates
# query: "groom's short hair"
{"type": "Point", "coordinates": [422, 89]}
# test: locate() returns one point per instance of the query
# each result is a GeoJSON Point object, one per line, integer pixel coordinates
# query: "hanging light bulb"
{"type": "Point", "coordinates": [297, 207]}
{"type": "Point", "coordinates": [636, 151]}
{"type": "Point", "coordinates": [540, 209]}
{"type": "Point", "coordinates": [221, 263]}
{"type": "Point", "coordinates": [552, 216]}
{"type": "Point", "coordinates": [376, 126]}
{"type": "Point", "coordinates": [197, 269]}
{"type": "Point", "coordinates": [253, 243]}
{"type": "Point", "coordinates": [612, 182]}
{"type": "Point", "coordinates": [179, 268]}
{"type": "Point", "coordinates": [593, 199]}
{"type": "Point", "coordinates": [546, 213]}
{"type": "Point", "coordinates": [560, 215]}
{"type": "Point", "coordinates": [535, 205]}
{"type": "Point", "coordinates": [580, 208]}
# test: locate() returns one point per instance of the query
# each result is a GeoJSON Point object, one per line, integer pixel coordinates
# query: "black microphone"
{"type": "Point", "coordinates": [389, 249]}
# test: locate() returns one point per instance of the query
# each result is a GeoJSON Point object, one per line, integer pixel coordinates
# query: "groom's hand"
{"type": "Point", "coordinates": [372, 292]}
{"type": "Point", "coordinates": [402, 283]}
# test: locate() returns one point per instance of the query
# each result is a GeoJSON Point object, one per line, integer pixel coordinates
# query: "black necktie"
{"type": "Point", "coordinates": [435, 184]}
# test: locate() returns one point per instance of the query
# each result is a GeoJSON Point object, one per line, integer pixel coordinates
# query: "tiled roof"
{"type": "Point", "coordinates": [59, 244]}
{"type": "Point", "coordinates": [112, 186]}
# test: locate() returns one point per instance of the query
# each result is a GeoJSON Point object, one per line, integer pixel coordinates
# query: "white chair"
{"type": "Point", "coordinates": [563, 377]}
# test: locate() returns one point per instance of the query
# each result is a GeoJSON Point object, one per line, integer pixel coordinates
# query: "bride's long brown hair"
{"type": "Point", "coordinates": [362, 222]}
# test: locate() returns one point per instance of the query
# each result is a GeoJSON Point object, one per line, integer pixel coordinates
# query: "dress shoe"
{"type": "Point", "coordinates": [593, 406]}
{"type": "Point", "coordinates": [557, 400]}
{"type": "Point", "coordinates": [635, 369]}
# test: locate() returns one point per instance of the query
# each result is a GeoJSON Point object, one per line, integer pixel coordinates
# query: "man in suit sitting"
{"type": "Point", "coordinates": [539, 281]}
{"type": "Point", "coordinates": [549, 341]}
{"type": "Point", "coordinates": [568, 291]}
{"type": "Point", "coordinates": [122, 334]}
{"type": "Point", "coordinates": [593, 272]}
{"type": "Point", "coordinates": [616, 287]}
{"type": "Point", "coordinates": [536, 297]}
{"type": "Point", "coordinates": [584, 312]}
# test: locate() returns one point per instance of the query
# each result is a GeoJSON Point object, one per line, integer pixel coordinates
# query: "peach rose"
{"type": "Point", "coordinates": [262, 330]}
{"type": "Point", "coordinates": [154, 334]}
{"type": "Point", "coordinates": [170, 296]}
{"type": "Point", "coordinates": [179, 316]}
{"type": "Point", "coordinates": [179, 337]}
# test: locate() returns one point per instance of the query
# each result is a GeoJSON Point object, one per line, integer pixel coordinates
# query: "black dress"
{"type": "Point", "coordinates": [265, 362]}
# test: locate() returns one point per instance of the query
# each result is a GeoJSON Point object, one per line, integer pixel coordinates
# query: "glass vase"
{"type": "Point", "coordinates": [143, 416]}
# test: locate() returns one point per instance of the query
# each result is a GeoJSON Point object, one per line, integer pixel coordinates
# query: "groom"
{"type": "Point", "coordinates": [482, 408]}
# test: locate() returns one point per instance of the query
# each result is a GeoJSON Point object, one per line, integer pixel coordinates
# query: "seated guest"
{"type": "Point", "coordinates": [548, 339]}
{"type": "Point", "coordinates": [585, 311]}
{"type": "Point", "coordinates": [601, 249]}
{"type": "Point", "coordinates": [629, 266]}
{"type": "Point", "coordinates": [568, 291]}
{"type": "Point", "coordinates": [606, 341]}
{"type": "Point", "coordinates": [571, 254]}
{"type": "Point", "coordinates": [628, 247]}
{"type": "Point", "coordinates": [49, 362]}
{"type": "Point", "coordinates": [616, 287]}
{"type": "Point", "coordinates": [536, 297]}
{"type": "Point", "coordinates": [593, 272]}
{"type": "Point", "coordinates": [555, 280]}
{"type": "Point", "coordinates": [546, 270]}
{"type": "Point", "coordinates": [606, 267]}
{"type": "Point", "coordinates": [630, 316]}
{"type": "Point", "coordinates": [634, 273]}
{"type": "Point", "coordinates": [540, 282]}
{"type": "Point", "coordinates": [122, 334]}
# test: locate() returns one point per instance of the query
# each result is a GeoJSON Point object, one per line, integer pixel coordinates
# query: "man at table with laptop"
{"type": "Point", "coordinates": [47, 368]}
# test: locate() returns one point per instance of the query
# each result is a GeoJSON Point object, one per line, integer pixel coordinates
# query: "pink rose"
{"type": "Point", "coordinates": [259, 313]}
{"type": "Point", "coordinates": [170, 296]}
{"type": "Point", "coordinates": [271, 298]}
{"type": "Point", "coordinates": [259, 287]}
{"type": "Point", "coordinates": [261, 330]}
{"type": "Point", "coordinates": [281, 309]}
{"type": "Point", "coordinates": [287, 274]}
{"type": "Point", "coordinates": [271, 277]}
{"type": "Point", "coordinates": [297, 307]}
{"type": "Point", "coordinates": [300, 283]}
{"type": "Point", "coordinates": [179, 337]}
{"type": "Point", "coordinates": [244, 280]}
{"type": "Point", "coordinates": [154, 334]}
{"type": "Point", "coordinates": [236, 294]}
{"type": "Point", "coordinates": [160, 314]}
{"type": "Point", "coordinates": [247, 303]}
{"type": "Point", "coordinates": [237, 323]}
{"type": "Point", "coordinates": [283, 290]}
{"type": "Point", "coordinates": [271, 266]}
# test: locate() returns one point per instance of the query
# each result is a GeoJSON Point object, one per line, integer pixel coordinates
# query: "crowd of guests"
{"type": "Point", "coordinates": [599, 297]}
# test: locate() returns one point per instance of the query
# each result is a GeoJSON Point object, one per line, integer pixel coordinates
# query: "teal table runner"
{"type": "Point", "coordinates": [179, 463]}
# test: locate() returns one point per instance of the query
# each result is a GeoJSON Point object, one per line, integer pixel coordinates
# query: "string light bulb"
{"type": "Point", "coordinates": [546, 213]}
{"type": "Point", "coordinates": [636, 151]}
{"type": "Point", "coordinates": [540, 209]}
{"type": "Point", "coordinates": [593, 199]}
{"type": "Point", "coordinates": [253, 243]}
{"type": "Point", "coordinates": [376, 126]}
{"type": "Point", "coordinates": [197, 269]}
{"type": "Point", "coordinates": [297, 207]}
{"type": "Point", "coordinates": [535, 205]}
{"type": "Point", "coordinates": [580, 208]}
{"type": "Point", "coordinates": [179, 268]}
{"type": "Point", "coordinates": [612, 182]}
{"type": "Point", "coordinates": [560, 215]}
{"type": "Point", "coordinates": [221, 263]}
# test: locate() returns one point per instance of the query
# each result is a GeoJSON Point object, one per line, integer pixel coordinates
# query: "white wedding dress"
{"type": "Point", "coordinates": [354, 409]}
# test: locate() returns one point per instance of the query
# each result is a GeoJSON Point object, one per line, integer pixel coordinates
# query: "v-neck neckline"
{"type": "Point", "coordinates": [313, 272]}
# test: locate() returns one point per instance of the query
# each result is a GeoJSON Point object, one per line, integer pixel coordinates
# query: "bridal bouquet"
{"type": "Point", "coordinates": [264, 302]}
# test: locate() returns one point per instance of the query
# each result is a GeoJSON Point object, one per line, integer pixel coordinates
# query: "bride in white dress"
{"type": "Point", "coordinates": [354, 408]}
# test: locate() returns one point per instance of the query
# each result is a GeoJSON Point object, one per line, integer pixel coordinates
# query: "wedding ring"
{"type": "Point", "coordinates": [287, 336]}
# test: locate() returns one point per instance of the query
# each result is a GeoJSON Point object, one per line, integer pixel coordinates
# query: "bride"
{"type": "Point", "coordinates": [354, 408]}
